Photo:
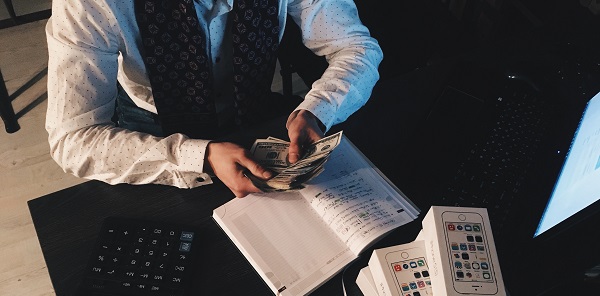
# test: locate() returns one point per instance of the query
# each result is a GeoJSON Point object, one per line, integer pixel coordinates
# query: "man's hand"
{"type": "Point", "coordinates": [229, 161]}
{"type": "Point", "coordinates": [303, 130]}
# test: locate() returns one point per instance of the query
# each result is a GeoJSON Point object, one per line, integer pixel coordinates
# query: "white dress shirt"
{"type": "Point", "coordinates": [93, 44]}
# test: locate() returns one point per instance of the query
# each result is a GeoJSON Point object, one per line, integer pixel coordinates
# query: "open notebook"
{"type": "Point", "coordinates": [297, 240]}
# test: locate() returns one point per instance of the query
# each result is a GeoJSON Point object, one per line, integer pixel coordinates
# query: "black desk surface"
{"type": "Point", "coordinates": [68, 221]}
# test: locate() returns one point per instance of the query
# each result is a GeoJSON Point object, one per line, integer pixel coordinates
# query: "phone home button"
{"type": "Point", "coordinates": [404, 255]}
{"type": "Point", "coordinates": [462, 217]}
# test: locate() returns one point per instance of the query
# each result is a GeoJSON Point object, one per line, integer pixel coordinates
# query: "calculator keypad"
{"type": "Point", "coordinates": [136, 257]}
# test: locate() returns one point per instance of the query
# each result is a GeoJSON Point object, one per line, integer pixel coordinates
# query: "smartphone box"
{"type": "Point", "coordinates": [401, 270]}
{"type": "Point", "coordinates": [365, 282]}
{"type": "Point", "coordinates": [461, 252]}
{"type": "Point", "coordinates": [419, 236]}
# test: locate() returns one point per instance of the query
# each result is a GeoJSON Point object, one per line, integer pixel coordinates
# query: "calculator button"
{"type": "Point", "coordinates": [161, 266]}
{"type": "Point", "coordinates": [110, 233]}
{"type": "Point", "coordinates": [158, 277]}
{"type": "Point", "coordinates": [115, 260]}
{"type": "Point", "coordinates": [137, 251]}
{"type": "Point", "coordinates": [129, 274]}
{"type": "Point", "coordinates": [127, 285]}
{"type": "Point", "coordinates": [181, 257]}
{"type": "Point", "coordinates": [185, 247]}
{"type": "Point", "coordinates": [100, 259]}
{"type": "Point", "coordinates": [167, 243]}
{"type": "Point", "coordinates": [187, 236]}
{"type": "Point", "coordinates": [143, 231]}
{"type": "Point", "coordinates": [154, 242]}
{"type": "Point", "coordinates": [179, 268]}
{"type": "Point", "coordinates": [123, 234]}
{"type": "Point", "coordinates": [146, 264]}
{"type": "Point", "coordinates": [119, 249]}
{"type": "Point", "coordinates": [171, 233]}
{"type": "Point", "coordinates": [111, 272]}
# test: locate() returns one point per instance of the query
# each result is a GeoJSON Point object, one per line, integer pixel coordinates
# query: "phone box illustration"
{"type": "Point", "coordinates": [461, 252]}
{"type": "Point", "coordinates": [401, 270]}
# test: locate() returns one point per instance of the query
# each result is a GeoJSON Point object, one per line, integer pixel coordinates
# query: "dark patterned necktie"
{"type": "Point", "coordinates": [175, 54]}
{"type": "Point", "coordinates": [255, 44]}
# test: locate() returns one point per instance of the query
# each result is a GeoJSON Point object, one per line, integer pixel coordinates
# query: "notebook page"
{"type": "Point", "coordinates": [284, 240]}
{"type": "Point", "coordinates": [355, 201]}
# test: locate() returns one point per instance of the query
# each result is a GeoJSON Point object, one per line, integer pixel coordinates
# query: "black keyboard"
{"type": "Point", "coordinates": [491, 174]}
{"type": "Point", "coordinates": [140, 257]}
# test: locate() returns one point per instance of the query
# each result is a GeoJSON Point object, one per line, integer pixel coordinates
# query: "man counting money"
{"type": "Point", "coordinates": [139, 89]}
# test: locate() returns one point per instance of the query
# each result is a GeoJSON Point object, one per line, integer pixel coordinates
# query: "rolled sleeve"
{"type": "Point", "coordinates": [83, 47]}
{"type": "Point", "coordinates": [332, 28]}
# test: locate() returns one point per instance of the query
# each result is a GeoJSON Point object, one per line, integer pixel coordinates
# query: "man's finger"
{"type": "Point", "coordinates": [293, 157]}
{"type": "Point", "coordinates": [293, 152]}
{"type": "Point", "coordinates": [255, 168]}
{"type": "Point", "coordinates": [245, 187]}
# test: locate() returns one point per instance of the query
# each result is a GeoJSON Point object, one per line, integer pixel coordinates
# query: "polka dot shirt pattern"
{"type": "Point", "coordinates": [93, 44]}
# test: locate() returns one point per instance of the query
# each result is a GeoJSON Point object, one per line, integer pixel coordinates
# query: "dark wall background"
{"type": "Point", "coordinates": [416, 33]}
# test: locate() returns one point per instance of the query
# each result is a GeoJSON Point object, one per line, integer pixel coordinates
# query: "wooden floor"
{"type": "Point", "coordinates": [24, 7]}
{"type": "Point", "coordinates": [26, 169]}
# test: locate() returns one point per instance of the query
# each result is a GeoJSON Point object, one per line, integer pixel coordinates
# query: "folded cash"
{"type": "Point", "coordinates": [272, 153]}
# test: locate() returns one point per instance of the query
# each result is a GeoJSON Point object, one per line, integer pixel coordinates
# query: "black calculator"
{"type": "Point", "coordinates": [140, 257]}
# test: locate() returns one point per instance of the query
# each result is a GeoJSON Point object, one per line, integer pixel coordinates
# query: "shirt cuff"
{"type": "Point", "coordinates": [192, 155]}
{"type": "Point", "coordinates": [323, 110]}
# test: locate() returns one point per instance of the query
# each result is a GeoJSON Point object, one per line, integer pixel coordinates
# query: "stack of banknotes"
{"type": "Point", "coordinates": [272, 153]}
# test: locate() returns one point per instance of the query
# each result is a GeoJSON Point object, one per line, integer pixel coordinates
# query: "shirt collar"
{"type": "Point", "coordinates": [213, 2]}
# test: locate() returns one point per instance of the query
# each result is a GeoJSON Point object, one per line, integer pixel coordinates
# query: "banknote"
{"type": "Point", "coordinates": [272, 153]}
